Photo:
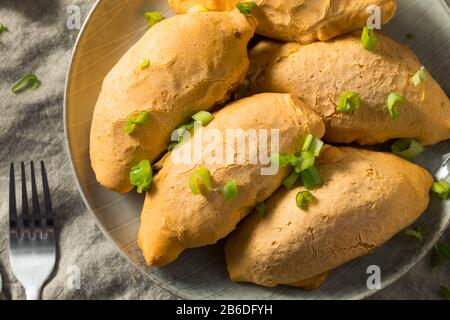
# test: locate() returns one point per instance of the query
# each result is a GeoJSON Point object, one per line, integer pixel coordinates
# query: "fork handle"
{"type": "Point", "coordinates": [33, 293]}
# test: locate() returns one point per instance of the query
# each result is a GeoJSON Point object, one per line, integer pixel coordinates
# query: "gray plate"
{"type": "Point", "coordinates": [111, 28]}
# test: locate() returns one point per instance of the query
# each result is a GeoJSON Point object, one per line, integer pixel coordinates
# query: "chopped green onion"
{"type": "Point", "coordinates": [407, 148]}
{"type": "Point", "coordinates": [172, 145]}
{"type": "Point", "coordinates": [204, 117]}
{"type": "Point", "coordinates": [198, 8]}
{"type": "Point", "coordinates": [200, 177]}
{"type": "Point", "coordinates": [291, 180]}
{"type": "Point", "coordinates": [30, 81]}
{"type": "Point", "coordinates": [140, 119]}
{"type": "Point", "coordinates": [419, 77]}
{"type": "Point", "coordinates": [417, 233]}
{"type": "Point", "coordinates": [230, 190]}
{"type": "Point", "coordinates": [368, 38]}
{"type": "Point", "coordinates": [246, 7]}
{"type": "Point", "coordinates": [144, 64]}
{"type": "Point", "coordinates": [282, 161]}
{"type": "Point", "coordinates": [441, 253]}
{"type": "Point", "coordinates": [305, 161]}
{"type": "Point", "coordinates": [3, 28]}
{"type": "Point", "coordinates": [262, 209]}
{"type": "Point", "coordinates": [141, 176]}
{"type": "Point", "coordinates": [153, 18]}
{"type": "Point", "coordinates": [348, 102]}
{"type": "Point", "coordinates": [312, 144]}
{"type": "Point", "coordinates": [303, 199]}
{"type": "Point", "coordinates": [444, 292]}
{"type": "Point", "coordinates": [391, 103]}
{"type": "Point", "coordinates": [441, 189]}
{"type": "Point", "coordinates": [308, 140]}
{"type": "Point", "coordinates": [410, 36]}
{"type": "Point", "coordinates": [311, 178]}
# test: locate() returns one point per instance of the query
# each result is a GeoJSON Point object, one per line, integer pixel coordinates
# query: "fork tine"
{"type": "Point", "coordinates": [12, 202]}
{"type": "Point", "coordinates": [36, 208]}
{"type": "Point", "coordinates": [47, 198]}
{"type": "Point", "coordinates": [25, 216]}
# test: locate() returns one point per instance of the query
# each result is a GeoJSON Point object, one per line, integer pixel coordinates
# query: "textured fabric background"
{"type": "Point", "coordinates": [31, 128]}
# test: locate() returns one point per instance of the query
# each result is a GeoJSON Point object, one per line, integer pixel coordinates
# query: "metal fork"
{"type": "Point", "coordinates": [31, 234]}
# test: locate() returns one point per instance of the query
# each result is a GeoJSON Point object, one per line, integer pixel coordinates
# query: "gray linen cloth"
{"type": "Point", "coordinates": [31, 128]}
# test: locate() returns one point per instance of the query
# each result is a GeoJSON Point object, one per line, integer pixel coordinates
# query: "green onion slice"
{"type": "Point", "coordinates": [305, 161]}
{"type": "Point", "coordinates": [141, 176]}
{"type": "Point", "coordinates": [407, 148]}
{"type": "Point", "coordinates": [415, 233]}
{"type": "Point", "coordinates": [198, 8]}
{"type": "Point", "coordinates": [392, 100]}
{"type": "Point", "coordinates": [419, 77]}
{"type": "Point", "coordinates": [441, 253]}
{"type": "Point", "coordinates": [410, 36]}
{"type": "Point", "coordinates": [348, 102]}
{"type": "Point", "coordinates": [444, 292]}
{"type": "Point", "coordinates": [368, 38]}
{"type": "Point", "coordinates": [29, 81]}
{"type": "Point", "coordinates": [230, 190]}
{"type": "Point", "coordinates": [442, 189]}
{"type": "Point", "coordinates": [312, 144]}
{"type": "Point", "coordinates": [246, 7]}
{"type": "Point", "coordinates": [282, 161]}
{"type": "Point", "coordinates": [291, 180]}
{"type": "Point", "coordinates": [262, 209]}
{"type": "Point", "coordinates": [140, 119]}
{"type": "Point", "coordinates": [144, 64]}
{"type": "Point", "coordinates": [153, 17]}
{"type": "Point", "coordinates": [311, 178]}
{"type": "Point", "coordinates": [203, 117]}
{"type": "Point", "coordinates": [303, 199]}
{"type": "Point", "coordinates": [3, 28]}
{"type": "Point", "coordinates": [200, 177]}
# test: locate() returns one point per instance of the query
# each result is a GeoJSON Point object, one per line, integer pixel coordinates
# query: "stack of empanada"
{"type": "Point", "coordinates": [337, 90]}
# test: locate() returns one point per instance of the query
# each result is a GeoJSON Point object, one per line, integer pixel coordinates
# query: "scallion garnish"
{"type": "Point", "coordinates": [312, 144]}
{"type": "Point", "coordinates": [153, 18]}
{"type": "Point", "coordinates": [246, 7]}
{"type": "Point", "coordinates": [291, 180]}
{"type": "Point", "coordinates": [201, 177]}
{"type": "Point", "coordinates": [132, 122]}
{"type": "Point", "coordinates": [3, 28]}
{"type": "Point", "coordinates": [144, 64]}
{"type": "Point", "coordinates": [369, 38]}
{"type": "Point", "coordinates": [141, 176]}
{"type": "Point", "coordinates": [441, 253]}
{"type": "Point", "coordinates": [30, 81]}
{"type": "Point", "coordinates": [311, 178]}
{"type": "Point", "coordinates": [419, 77]}
{"type": "Point", "coordinates": [444, 292]}
{"type": "Point", "coordinates": [442, 189]}
{"type": "Point", "coordinates": [198, 8]}
{"type": "Point", "coordinates": [415, 233]}
{"type": "Point", "coordinates": [230, 190]}
{"type": "Point", "coordinates": [305, 161]}
{"type": "Point", "coordinates": [391, 103]}
{"type": "Point", "coordinates": [282, 161]}
{"type": "Point", "coordinates": [303, 199]}
{"type": "Point", "coordinates": [203, 117]}
{"type": "Point", "coordinates": [407, 148]}
{"type": "Point", "coordinates": [348, 102]}
{"type": "Point", "coordinates": [410, 36]}
{"type": "Point", "coordinates": [262, 209]}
